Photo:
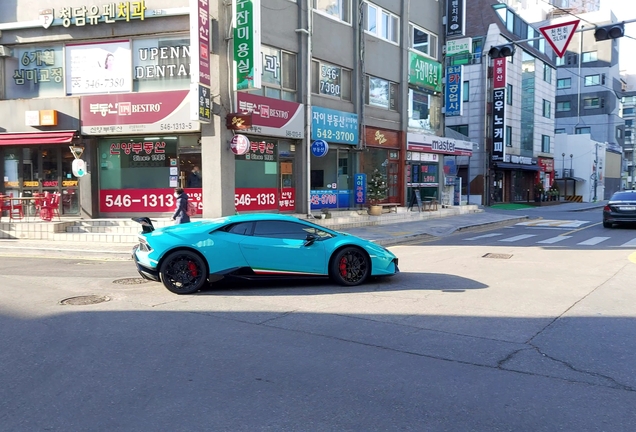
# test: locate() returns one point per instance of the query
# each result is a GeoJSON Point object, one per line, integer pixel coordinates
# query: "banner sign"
{"type": "Point", "coordinates": [459, 46]}
{"type": "Point", "coordinates": [200, 64]}
{"type": "Point", "coordinates": [360, 184]}
{"type": "Point", "coordinates": [247, 44]}
{"type": "Point", "coordinates": [334, 126]}
{"type": "Point", "coordinates": [272, 117]}
{"type": "Point", "coordinates": [455, 17]}
{"type": "Point", "coordinates": [98, 67]}
{"type": "Point", "coordinates": [145, 200]}
{"type": "Point", "coordinates": [424, 72]}
{"type": "Point", "coordinates": [453, 91]}
{"type": "Point", "coordinates": [498, 124]}
{"type": "Point", "coordinates": [144, 113]}
{"type": "Point", "coordinates": [259, 199]}
{"type": "Point", "coordinates": [499, 73]}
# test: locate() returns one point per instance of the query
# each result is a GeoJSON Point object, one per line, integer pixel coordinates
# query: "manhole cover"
{"type": "Point", "coordinates": [497, 256]}
{"type": "Point", "coordinates": [131, 281]}
{"type": "Point", "coordinates": [84, 300]}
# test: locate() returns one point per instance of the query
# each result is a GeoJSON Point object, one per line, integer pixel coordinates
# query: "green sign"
{"type": "Point", "coordinates": [247, 44]}
{"type": "Point", "coordinates": [424, 72]}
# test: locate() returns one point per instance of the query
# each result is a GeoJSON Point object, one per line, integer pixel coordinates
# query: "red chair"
{"type": "Point", "coordinates": [38, 203]}
{"type": "Point", "coordinates": [54, 205]}
{"type": "Point", "coordinates": [15, 209]}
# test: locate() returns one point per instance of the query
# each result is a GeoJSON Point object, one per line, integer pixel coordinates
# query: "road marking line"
{"type": "Point", "coordinates": [593, 241]}
{"type": "Point", "coordinates": [484, 236]}
{"type": "Point", "coordinates": [632, 258]}
{"type": "Point", "coordinates": [581, 229]}
{"type": "Point", "coordinates": [554, 239]}
{"type": "Point", "coordinates": [517, 238]}
{"type": "Point", "coordinates": [630, 243]}
{"type": "Point", "coordinates": [554, 223]}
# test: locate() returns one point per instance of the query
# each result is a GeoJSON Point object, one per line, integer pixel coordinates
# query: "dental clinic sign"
{"type": "Point", "coordinates": [425, 73]}
{"type": "Point", "coordinates": [200, 65]}
{"type": "Point", "coordinates": [247, 44]}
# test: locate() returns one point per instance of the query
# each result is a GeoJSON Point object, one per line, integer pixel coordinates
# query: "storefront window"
{"type": "Point", "coordinates": [424, 111]}
{"type": "Point", "coordinates": [34, 72]}
{"type": "Point", "coordinates": [257, 177]}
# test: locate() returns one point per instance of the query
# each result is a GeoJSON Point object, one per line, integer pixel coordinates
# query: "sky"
{"type": "Point", "coordinates": [625, 10]}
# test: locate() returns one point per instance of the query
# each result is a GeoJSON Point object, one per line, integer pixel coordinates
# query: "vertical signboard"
{"type": "Point", "coordinates": [200, 60]}
{"type": "Point", "coordinates": [498, 123]}
{"type": "Point", "coordinates": [360, 181]}
{"type": "Point", "coordinates": [499, 73]}
{"type": "Point", "coordinates": [455, 17]}
{"type": "Point", "coordinates": [453, 93]}
{"type": "Point", "coordinates": [247, 44]}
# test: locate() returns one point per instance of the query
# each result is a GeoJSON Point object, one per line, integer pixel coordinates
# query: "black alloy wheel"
{"type": "Point", "coordinates": [183, 272]}
{"type": "Point", "coordinates": [350, 266]}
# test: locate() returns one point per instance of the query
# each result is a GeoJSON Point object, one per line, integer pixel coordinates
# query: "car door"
{"type": "Point", "coordinates": [279, 247]}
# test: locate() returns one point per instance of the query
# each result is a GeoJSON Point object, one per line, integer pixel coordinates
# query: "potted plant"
{"type": "Point", "coordinates": [376, 191]}
{"type": "Point", "coordinates": [554, 192]}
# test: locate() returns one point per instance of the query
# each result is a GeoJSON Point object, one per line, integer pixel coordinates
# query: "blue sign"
{"type": "Point", "coordinates": [334, 126]}
{"type": "Point", "coordinates": [360, 185]}
{"type": "Point", "coordinates": [319, 148]}
{"type": "Point", "coordinates": [330, 198]}
{"type": "Point", "coordinates": [453, 92]}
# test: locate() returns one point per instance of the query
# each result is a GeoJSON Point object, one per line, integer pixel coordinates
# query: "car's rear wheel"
{"type": "Point", "coordinates": [350, 266]}
{"type": "Point", "coordinates": [183, 272]}
{"type": "Point", "coordinates": [607, 224]}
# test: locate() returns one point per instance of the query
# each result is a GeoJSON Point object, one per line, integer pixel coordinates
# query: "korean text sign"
{"type": "Point", "coordinates": [498, 124]}
{"type": "Point", "coordinates": [100, 67]}
{"type": "Point", "coordinates": [424, 72]}
{"type": "Point", "coordinates": [360, 184]}
{"type": "Point", "coordinates": [456, 16]}
{"type": "Point", "coordinates": [35, 72]}
{"type": "Point", "coordinates": [145, 200]}
{"type": "Point", "coordinates": [499, 73]}
{"type": "Point", "coordinates": [247, 44]}
{"type": "Point", "coordinates": [334, 126]}
{"type": "Point", "coordinates": [453, 92]}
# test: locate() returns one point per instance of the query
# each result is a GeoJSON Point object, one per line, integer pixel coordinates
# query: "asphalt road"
{"type": "Point", "coordinates": [533, 338]}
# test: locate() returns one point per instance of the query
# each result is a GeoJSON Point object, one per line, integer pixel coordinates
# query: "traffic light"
{"type": "Point", "coordinates": [610, 31]}
{"type": "Point", "coordinates": [499, 51]}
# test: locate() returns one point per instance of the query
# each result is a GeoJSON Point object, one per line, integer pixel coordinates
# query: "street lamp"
{"type": "Point", "coordinates": [563, 166]}
{"type": "Point", "coordinates": [571, 156]}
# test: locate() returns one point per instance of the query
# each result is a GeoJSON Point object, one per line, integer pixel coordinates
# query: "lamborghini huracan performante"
{"type": "Point", "coordinates": [184, 257]}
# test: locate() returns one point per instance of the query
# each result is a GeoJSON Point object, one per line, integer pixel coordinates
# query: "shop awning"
{"type": "Point", "coordinates": [514, 166]}
{"type": "Point", "coordinates": [26, 138]}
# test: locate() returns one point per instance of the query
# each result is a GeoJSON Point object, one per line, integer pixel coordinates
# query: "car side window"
{"type": "Point", "coordinates": [280, 229]}
{"type": "Point", "coordinates": [241, 228]}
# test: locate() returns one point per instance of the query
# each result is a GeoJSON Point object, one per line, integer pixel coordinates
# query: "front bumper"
{"type": "Point", "coordinates": [145, 272]}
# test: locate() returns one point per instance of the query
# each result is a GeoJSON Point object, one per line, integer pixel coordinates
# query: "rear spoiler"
{"type": "Point", "coordinates": [146, 224]}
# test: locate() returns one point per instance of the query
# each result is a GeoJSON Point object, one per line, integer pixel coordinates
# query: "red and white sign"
{"type": "Point", "coordinates": [145, 200]}
{"type": "Point", "coordinates": [560, 35]}
{"type": "Point", "coordinates": [240, 144]}
{"type": "Point", "coordinates": [273, 117]}
{"type": "Point", "coordinates": [263, 199]}
{"type": "Point", "coordinates": [499, 73]}
{"type": "Point", "coordinates": [137, 113]}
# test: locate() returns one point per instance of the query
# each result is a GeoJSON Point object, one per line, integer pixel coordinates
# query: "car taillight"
{"type": "Point", "coordinates": [606, 208]}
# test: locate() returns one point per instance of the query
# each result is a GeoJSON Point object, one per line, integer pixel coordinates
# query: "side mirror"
{"type": "Point", "coordinates": [310, 239]}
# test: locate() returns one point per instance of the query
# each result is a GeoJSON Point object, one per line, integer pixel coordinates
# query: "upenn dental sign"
{"type": "Point", "coordinates": [153, 112]}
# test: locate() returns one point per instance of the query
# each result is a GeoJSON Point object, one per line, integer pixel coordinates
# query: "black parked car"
{"type": "Point", "coordinates": [620, 208]}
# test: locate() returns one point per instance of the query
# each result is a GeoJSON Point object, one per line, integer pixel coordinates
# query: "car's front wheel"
{"type": "Point", "coordinates": [350, 266]}
{"type": "Point", "coordinates": [183, 272]}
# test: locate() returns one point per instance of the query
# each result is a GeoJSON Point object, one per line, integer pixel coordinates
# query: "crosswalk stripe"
{"type": "Point", "coordinates": [484, 236]}
{"type": "Point", "coordinates": [554, 239]}
{"type": "Point", "coordinates": [593, 241]}
{"type": "Point", "coordinates": [553, 223]}
{"type": "Point", "coordinates": [630, 243]}
{"type": "Point", "coordinates": [517, 238]}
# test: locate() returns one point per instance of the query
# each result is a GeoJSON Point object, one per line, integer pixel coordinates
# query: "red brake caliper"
{"type": "Point", "coordinates": [343, 266]}
{"type": "Point", "coordinates": [193, 269]}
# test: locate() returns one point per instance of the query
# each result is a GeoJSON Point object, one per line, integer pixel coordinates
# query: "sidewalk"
{"type": "Point", "coordinates": [386, 235]}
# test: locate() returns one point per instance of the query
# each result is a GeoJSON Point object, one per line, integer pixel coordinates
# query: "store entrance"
{"type": "Point", "coordinates": [41, 169]}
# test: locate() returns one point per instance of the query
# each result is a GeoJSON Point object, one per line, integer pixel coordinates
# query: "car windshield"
{"type": "Point", "coordinates": [624, 196]}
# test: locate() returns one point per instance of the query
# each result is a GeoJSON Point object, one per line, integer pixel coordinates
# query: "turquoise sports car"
{"type": "Point", "coordinates": [184, 257]}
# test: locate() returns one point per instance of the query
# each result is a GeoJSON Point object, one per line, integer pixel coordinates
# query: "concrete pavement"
{"type": "Point", "coordinates": [386, 235]}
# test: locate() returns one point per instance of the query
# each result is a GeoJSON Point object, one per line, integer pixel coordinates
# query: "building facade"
{"type": "Point", "coordinates": [342, 88]}
{"type": "Point", "coordinates": [508, 105]}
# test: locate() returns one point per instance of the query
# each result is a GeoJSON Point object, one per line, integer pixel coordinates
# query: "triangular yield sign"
{"type": "Point", "coordinates": [559, 35]}
{"type": "Point", "coordinates": [77, 151]}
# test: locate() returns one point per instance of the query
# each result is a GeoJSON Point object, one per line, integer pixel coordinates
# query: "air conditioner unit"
{"type": "Point", "coordinates": [5, 51]}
